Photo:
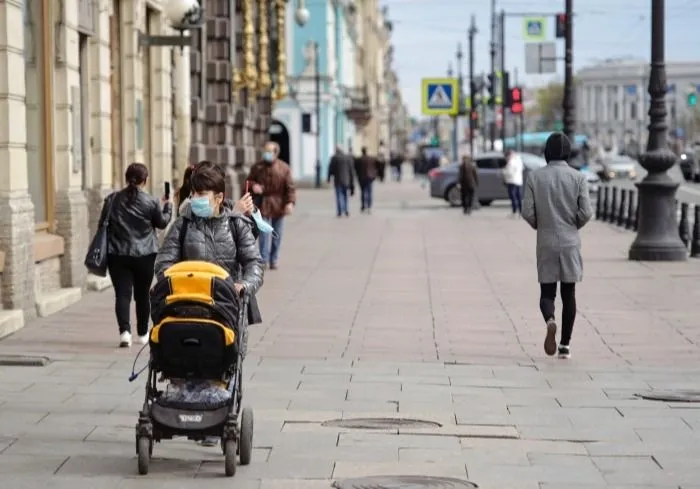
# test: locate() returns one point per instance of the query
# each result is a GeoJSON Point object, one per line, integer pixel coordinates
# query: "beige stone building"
{"type": "Point", "coordinates": [374, 34]}
{"type": "Point", "coordinates": [79, 101]}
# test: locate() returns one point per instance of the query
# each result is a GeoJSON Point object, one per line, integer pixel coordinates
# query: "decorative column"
{"type": "Point", "coordinates": [657, 235]}
{"type": "Point", "coordinates": [281, 89]}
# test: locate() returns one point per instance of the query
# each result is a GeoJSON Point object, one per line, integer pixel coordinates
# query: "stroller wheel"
{"type": "Point", "coordinates": [246, 448]}
{"type": "Point", "coordinates": [230, 457]}
{"type": "Point", "coordinates": [143, 447]}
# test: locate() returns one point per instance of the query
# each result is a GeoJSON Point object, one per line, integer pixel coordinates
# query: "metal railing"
{"type": "Point", "coordinates": [617, 203]}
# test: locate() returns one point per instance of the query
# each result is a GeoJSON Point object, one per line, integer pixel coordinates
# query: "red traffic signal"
{"type": "Point", "coordinates": [516, 100]}
{"type": "Point", "coordinates": [560, 22]}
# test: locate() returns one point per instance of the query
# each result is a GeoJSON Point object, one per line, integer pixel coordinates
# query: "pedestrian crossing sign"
{"type": "Point", "coordinates": [440, 96]}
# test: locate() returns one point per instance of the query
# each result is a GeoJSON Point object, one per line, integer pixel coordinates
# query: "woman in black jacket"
{"type": "Point", "coordinates": [134, 216]}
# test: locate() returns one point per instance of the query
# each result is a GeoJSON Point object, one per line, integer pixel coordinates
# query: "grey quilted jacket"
{"type": "Point", "coordinates": [212, 240]}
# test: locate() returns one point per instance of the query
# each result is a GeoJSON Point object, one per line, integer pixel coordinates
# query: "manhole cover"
{"type": "Point", "coordinates": [671, 396]}
{"type": "Point", "coordinates": [380, 423]}
{"type": "Point", "coordinates": [23, 361]}
{"type": "Point", "coordinates": [404, 482]}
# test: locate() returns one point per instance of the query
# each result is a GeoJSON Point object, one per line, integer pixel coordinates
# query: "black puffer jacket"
{"type": "Point", "coordinates": [212, 240]}
{"type": "Point", "coordinates": [133, 223]}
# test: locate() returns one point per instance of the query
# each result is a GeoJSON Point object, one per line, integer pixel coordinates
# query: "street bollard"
{"type": "Point", "coordinates": [683, 227]}
{"type": "Point", "coordinates": [636, 214]}
{"type": "Point", "coordinates": [613, 206]}
{"type": "Point", "coordinates": [622, 208]}
{"type": "Point", "coordinates": [631, 195]}
{"type": "Point", "coordinates": [606, 203]}
{"type": "Point", "coordinates": [695, 242]}
{"type": "Point", "coordinates": [599, 205]}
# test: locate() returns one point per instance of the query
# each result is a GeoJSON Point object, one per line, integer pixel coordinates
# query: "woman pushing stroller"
{"type": "Point", "coordinates": [208, 230]}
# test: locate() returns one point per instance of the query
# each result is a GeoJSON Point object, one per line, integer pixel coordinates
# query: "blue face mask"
{"type": "Point", "coordinates": [200, 207]}
{"type": "Point", "coordinates": [268, 157]}
{"type": "Point", "coordinates": [263, 226]}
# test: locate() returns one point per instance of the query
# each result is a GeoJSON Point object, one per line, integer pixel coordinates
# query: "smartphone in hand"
{"type": "Point", "coordinates": [166, 191]}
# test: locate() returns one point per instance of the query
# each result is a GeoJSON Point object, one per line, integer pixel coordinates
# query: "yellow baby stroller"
{"type": "Point", "coordinates": [198, 339]}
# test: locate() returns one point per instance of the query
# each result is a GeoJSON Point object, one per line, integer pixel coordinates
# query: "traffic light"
{"type": "Point", "coordinates": [692, 99]}
{"type": "Point", "coordinates": [492, 89]}
{"type": "Point", "coordinates": [515, 97]}
{"type": "Point", "coordinates": [560, 22]}
{"type": "Point", "coordinates": [505, 89]}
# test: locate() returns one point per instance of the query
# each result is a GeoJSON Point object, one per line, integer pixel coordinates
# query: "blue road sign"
{"type": "Point", "coordinates": [440, 96]}
{"type": "Point", "coordinates": [631, 90]}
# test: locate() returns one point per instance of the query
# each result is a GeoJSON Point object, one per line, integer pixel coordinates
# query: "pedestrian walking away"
{"type": "Point", "coordinates": [340, 169]}
{"type": "Point", "coordinates": [513, 177]}
{"type": "Point", "coordinates": [366, 170]}
{"type": "Point", "coordinates": [468, 182]}
{"type": "Point", "coordinates": [133, 216]}
{"type": "Point", "coordinates": [273, 191]}
{"type": "Point", "coordinates": [557, 206]}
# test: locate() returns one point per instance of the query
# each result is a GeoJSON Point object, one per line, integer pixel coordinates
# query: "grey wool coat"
{"type": "Point", "coordinates": [557, 205]}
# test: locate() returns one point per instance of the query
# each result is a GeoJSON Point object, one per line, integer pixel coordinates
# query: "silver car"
{"type": "Point", "coordinates": [444, 181]}
{"type": "Point", "coordinates": [614, 167]}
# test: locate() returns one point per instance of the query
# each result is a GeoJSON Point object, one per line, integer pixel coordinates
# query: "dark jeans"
{"type": "Point", "coordinates": [548, 293]}
{"type": "Point", "coordinates": [516, 199]}
{"type": "Point", "coordinates": [132, 276]}
{"type": "Point", "coordinates": [270, 243]}
{"type": "Point", "coordinates": [341, 200]}
{"type": "Point", "coordinates": [366, 195]}
{"type": "Point", "coordinates": [467, 199]}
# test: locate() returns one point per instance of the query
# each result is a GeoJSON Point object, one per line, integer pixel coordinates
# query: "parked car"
{"type": "Point", "coordinates": [689, 164]}
{"type": "Point", "coordinates": [592, 179]}
{"type": "Point", "coordinates": [617, 167]}
{"type": "Point", "coordinates": [444, 181]}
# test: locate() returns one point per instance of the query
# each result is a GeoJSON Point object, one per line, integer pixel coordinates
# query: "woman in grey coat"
{"type": "Point", "coordinates": [557, 205]}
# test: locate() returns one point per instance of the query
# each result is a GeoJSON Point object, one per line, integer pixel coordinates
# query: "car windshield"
{"type": "Point", "coordinates": [620, 162]}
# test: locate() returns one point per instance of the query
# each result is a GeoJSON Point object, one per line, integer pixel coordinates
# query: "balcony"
{"type": "Point", "coordinates": [357, 105]}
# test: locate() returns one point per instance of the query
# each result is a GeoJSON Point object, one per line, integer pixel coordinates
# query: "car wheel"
{"type": "Point", "coordinates": [485, 202]}
{"type": "Point", "coordinates": [453, 196]}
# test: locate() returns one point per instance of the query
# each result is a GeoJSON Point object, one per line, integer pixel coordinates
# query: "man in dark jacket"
{"type": "Point", "coordinates": [340, 170]}
{"type": "Point", "coordinates": [366, 169]}
{"type": "Point", "coordinates": [468, 181]}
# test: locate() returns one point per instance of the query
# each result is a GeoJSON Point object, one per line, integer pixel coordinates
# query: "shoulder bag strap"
{"type": "Point", "coordinates": [183, 235]}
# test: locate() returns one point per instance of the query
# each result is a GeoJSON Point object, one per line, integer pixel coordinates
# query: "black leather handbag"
{"type": "Point", "coordinates": [96, 257]}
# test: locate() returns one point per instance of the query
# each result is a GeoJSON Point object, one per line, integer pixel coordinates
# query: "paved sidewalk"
{"type": "Point", "coordinates": [415, 312]}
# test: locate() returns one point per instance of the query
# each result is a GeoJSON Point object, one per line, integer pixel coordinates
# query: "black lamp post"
{"type": "Point", "coordinates": [657, 236]}
{"type": "Point", "coordinates": [568, 99]}
{"type": "Point", "coordinates": [317, 92]}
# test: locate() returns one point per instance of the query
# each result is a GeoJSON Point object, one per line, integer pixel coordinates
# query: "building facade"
{"type": "Point", "coordinates": [326, 43]}
{"type": "Point", "coordinates": [612, 100]}
{"type": "Point", "coordinates": [83, 94]}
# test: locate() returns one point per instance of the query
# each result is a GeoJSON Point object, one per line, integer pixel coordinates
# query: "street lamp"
{"type": "Point", "coordinates": [301, 16]}
{"type": "Point", "coordinates": [657, 238]}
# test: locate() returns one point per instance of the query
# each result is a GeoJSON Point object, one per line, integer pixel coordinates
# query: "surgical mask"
{"type": "Point", "coordinates": [200, 206]}
{"type": "Point", "coordinates": [263, 226]}
{"type": "Point", "coordinates": [269, 157]}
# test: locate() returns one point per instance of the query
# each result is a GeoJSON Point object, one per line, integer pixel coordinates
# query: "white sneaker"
{"type": "Point", "coordinates": [142, 340]}
{"type": "Point", "coordinates": [125, 340]}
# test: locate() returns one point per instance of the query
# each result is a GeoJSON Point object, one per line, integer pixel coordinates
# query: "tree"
{"type": "Point", "coordinates": [549, 104]}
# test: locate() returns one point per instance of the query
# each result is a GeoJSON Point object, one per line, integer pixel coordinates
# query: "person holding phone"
{"type": "Point", "coordinates": [132, 245]}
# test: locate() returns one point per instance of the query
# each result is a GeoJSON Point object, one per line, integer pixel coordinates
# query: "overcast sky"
{"type": "Point", "coordinates": [426, 33]}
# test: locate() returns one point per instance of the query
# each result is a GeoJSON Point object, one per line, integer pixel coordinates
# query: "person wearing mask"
{"type": "Point", "coordinates": [513, 177]}
{"type": "Point", "coordinates": [208, 230]}
{"type": "Point", "coordinates": [340, 170]}
{"type": "Point", "coordinates": [366, 170]}
{"type": "Point", "coordinates": [274, 194]}
{"type": "Point", "coordinates": [132, 244]}
{"type": "Point", "coordinates": [557, 206]}
{"type": "Point", "coordinates": [468, 181]}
